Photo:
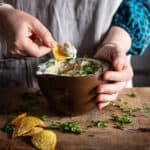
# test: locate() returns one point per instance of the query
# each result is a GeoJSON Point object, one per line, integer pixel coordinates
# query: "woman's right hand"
{"type": "Point", "coordinates": [25, 35]}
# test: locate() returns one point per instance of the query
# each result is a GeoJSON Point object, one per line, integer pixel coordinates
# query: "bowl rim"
{"type": "Point", "coordinates": [55, 75]}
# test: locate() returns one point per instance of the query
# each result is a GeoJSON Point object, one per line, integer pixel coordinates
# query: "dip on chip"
{"type": "Point", "coordinates": [64, 52]}
{"type": "Point", "coordinates": [44, 140]}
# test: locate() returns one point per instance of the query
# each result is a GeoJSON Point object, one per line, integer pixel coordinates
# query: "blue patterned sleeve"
{"type": "Point", "coordinates": [134, 17]}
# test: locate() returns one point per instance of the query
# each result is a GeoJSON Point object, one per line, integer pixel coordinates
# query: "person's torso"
{"type": "Point", "coordinates": [84, 23]}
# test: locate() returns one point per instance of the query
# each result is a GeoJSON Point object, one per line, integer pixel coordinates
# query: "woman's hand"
{"type": "Point", "coordinates": [24, 34]}
{"type": "Point", "coordinates": [122, 72]}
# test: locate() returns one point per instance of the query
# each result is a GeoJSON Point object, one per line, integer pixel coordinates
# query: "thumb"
{"type": "Point", "coordinates": [119, 61]}
{"type": "Point", "coordinates": [43, 33]}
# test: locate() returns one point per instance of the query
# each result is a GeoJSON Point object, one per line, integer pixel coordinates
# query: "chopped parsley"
{"type": "Point", "coordinates": [98, 124]}
{"type": "Point", "coordinates": [44, 117]}
{"type": "Point", "coordinates": [146, 108]}
{"type": "Point", "coordinates": [121, 119]}
{"type": "Point", "coordinates": [70, 127]}
{"type": "Point", "coordinates": [119, 126]}
{"type": "Point", "coordinates": [123, 107]}
{"type": "Point", "coordinates": [8, 129]}
{"type": "Point", "coordinates": [133, 94]}
{"type": "Point", "coordinates": [102, 124]}
{"type": "Point", "coordinates": [51, 62]}
{"type": "Point", "coordinates": [89, 68]}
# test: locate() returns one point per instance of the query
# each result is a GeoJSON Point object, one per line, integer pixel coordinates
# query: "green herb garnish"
{"type": "Point", "coordinates": [98, 124]}
{"type": "Point", "coordinates": [44, 117]}
{"type": "Point", "coordinates": [89, 68]}
{"type": "Point", "coordinates": [123, 107]}
{"type": "Point", "coordinates": [132, 111]}
{"type": "Point", "coordinates": [51, 62]}
{"type": "Point", "coordinates": [146, 108]}
{"type": "Point", "coordinates": [133, 95]}
{"type": "Point", "coordinates": [119, 126]}
{"type": "Point", "coordinates": [121, 119]}
{"type": "Point", "coordinates": [102, 124]}
{"type": "Point", "coordinates": [70, 127]}
{"type": "Point", "coordinates": [8, 129]}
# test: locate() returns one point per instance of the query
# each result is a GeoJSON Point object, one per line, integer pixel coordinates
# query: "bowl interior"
{"type": "Point", "coordinates": [103, 65]}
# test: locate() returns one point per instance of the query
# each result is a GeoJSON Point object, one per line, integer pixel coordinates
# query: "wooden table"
{"type": "Point", "coordinates": [105, 138]}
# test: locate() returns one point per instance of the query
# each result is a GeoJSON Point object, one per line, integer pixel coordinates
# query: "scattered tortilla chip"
{"type": "Point", "coordinates": [16, 121]}
{"type": "Point", "coordinates": [26, 124]}
{"type": "Point", "coordinates": [32, 126]}
{"type": "Point", "coordinates": [58, 54]}
{"type": "Point", "coordinates": [45, 140]}
{"type": "Point", "coordinates": [33, 131]}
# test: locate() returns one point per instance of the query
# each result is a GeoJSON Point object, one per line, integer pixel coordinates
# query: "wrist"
{"type": "Point", "coordinates": [119, 38]}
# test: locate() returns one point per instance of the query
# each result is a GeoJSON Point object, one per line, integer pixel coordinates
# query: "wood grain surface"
{"type": "Point", "coordinates": [11, 102]}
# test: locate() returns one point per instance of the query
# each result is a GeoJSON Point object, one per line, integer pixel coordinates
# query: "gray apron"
{"type": "Point", "coordinates": [84, 23]}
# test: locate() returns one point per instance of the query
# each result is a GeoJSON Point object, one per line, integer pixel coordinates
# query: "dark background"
{"type": "Point", "coordinates": [141, 65]}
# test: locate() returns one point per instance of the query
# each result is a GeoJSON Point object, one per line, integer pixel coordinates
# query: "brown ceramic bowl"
{"type": "Point", "coordinates": [69, 95]}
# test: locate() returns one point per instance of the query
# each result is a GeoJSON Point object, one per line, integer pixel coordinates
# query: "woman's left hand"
{"type": "Point", "coordinates": [116, 79]}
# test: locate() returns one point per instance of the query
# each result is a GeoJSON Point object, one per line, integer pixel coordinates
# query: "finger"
{"type": "Point", "coordinates": [119, 76]}
{"type": "Point", "coordinates": [119, 61]}
{"type": "Point", "coordinates": [111, 88]}
{"type": "Point", "coordinates": [21, 53]}
{"type": "Point", "coordinates": [106, 97]}
{"type": "Point", "coordinates": [43, 33]}
{"type": "Point", "coordinates": [102, 105]}
{"type": "Point", "coordinates": [32, 49]}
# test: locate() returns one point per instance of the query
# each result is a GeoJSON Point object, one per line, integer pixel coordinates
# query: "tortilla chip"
{"type": "Point", "coordinates": [26, 124]}
{"type": "Point", "coordinates": [45, 140]}
{"type": "Point", "coordinates": [33, 131]}
{"type": "Point", "coordinates": [16, 121]}
{"type": "Point", "coordinates": [58, 54]}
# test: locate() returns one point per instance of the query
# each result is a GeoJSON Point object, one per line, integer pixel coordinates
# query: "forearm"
{"type": "Point", "coordinates": [134, 17]}
{"type": "Point", "coordinates": [5, 5]}
{"type": "Point", "coordinates": [5, 10]}
{"type": "Point", "coordinates": [118, 37]}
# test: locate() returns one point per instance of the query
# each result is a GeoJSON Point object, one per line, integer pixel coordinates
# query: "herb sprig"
{"type": "Point", "coordinates": [44, 117]}
{"type": "Point", "coordinates": [100, 123]}
{"type": "Point", "coordinates": [121, 121]}
{"type": "Point", "coordinates": [7, 129]}
{"type": "Point", "coordinates": [70, 127]}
